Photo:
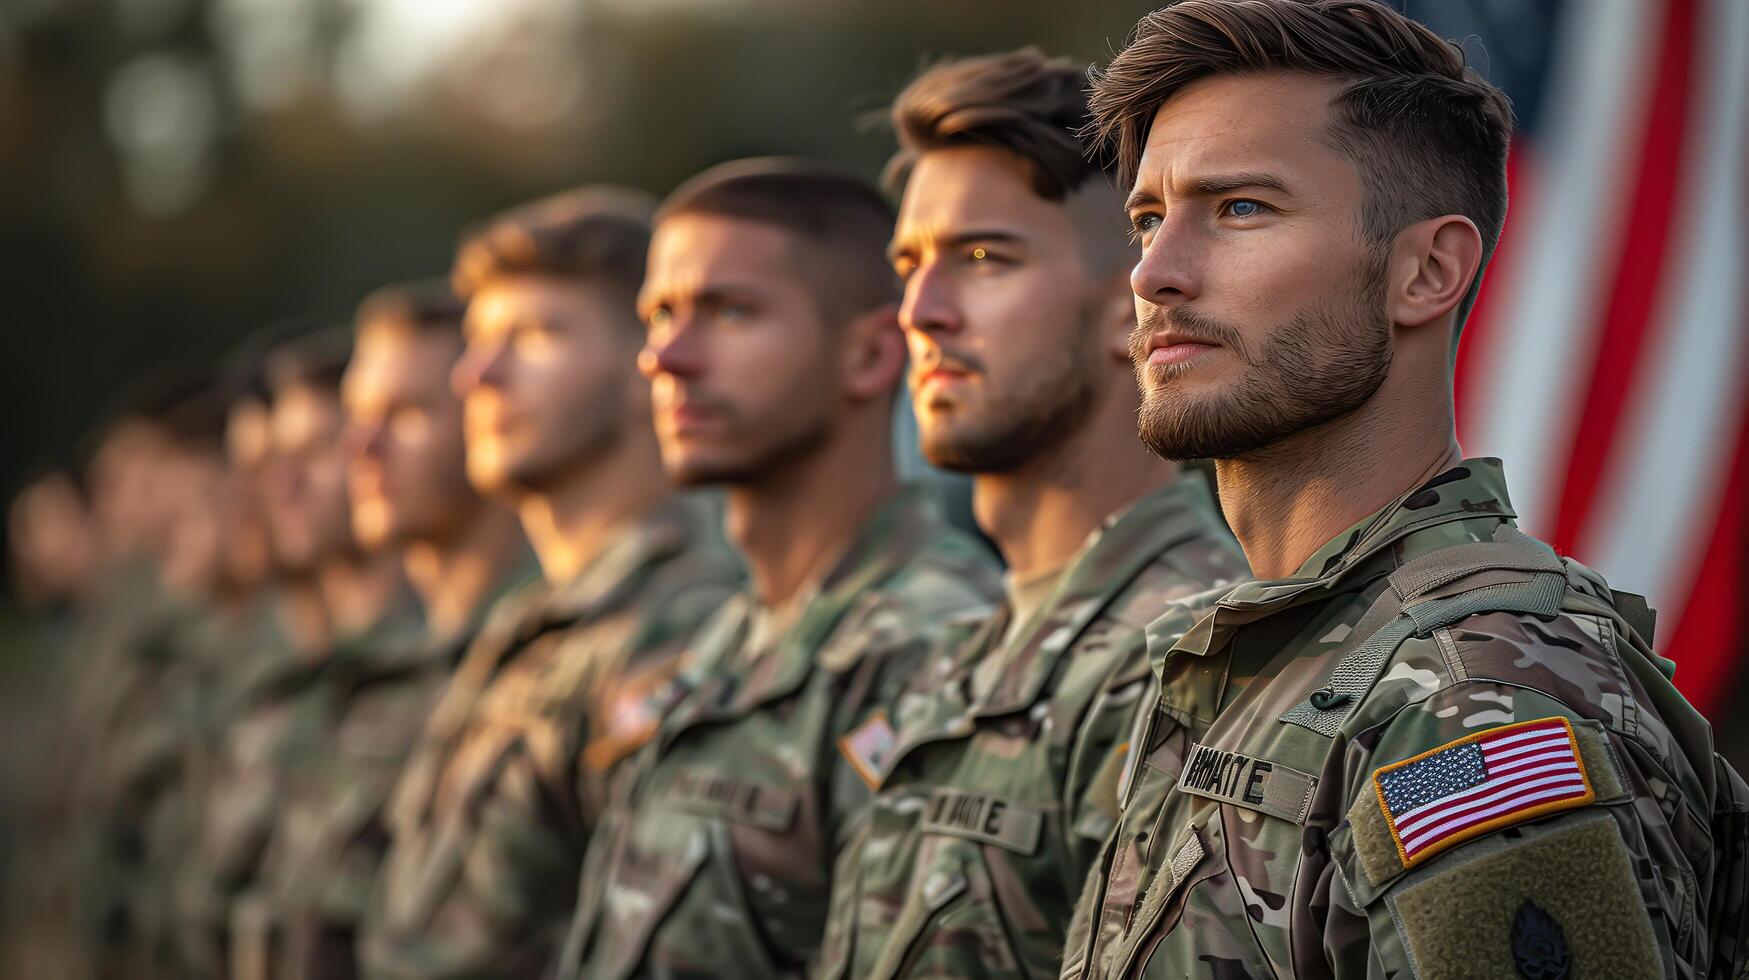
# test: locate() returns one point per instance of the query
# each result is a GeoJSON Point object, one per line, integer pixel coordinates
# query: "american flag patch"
{"type": "Point", "coordinates": [869, 747]}
{"type": "Point", "coordinates": [1480, 783]}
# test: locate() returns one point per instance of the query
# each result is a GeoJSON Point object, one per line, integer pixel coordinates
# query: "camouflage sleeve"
{"type": "Point", "coordinates": [1491, 829]}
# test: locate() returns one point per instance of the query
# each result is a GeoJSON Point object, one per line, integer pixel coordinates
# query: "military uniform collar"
{"type": "Point", "coordinates": [659, 533]}
{"type": "Point", "coordinates": [1126, 542]}
{"type": "Point", "coordinates": [1474, 488]}
{"type": "Point", "coordinates": [902, 526]}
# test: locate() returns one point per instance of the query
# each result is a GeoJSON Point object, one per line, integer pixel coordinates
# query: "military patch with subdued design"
{"type": "Point", "coordinates": [869, 747]}
{"type": "Point", "coordinates": [1481, 783]}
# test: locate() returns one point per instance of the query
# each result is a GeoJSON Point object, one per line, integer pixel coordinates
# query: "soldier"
{"type": "Point", "coordinates": [52, 550]}
{"type": "Point", "coordinates": [773, 355]}
{"type": "Point", "coordinates": [488, 821]}
{"type": "Point", "coordinates": [269, 731]}
{"type": "Point", "coordinates": [1002, 785]}
{"type": "Point", "coordinates": [148, 692]}
{"type": "Point", "coordinates": [1438, 749]}
{"type": "Point", "coordinates": [410, 495]}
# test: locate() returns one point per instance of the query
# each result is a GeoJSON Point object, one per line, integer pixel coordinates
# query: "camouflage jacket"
{"type": "Point", "coordinates": [327, 836]}
{"type": "Point", "coordinates": [1003, 784]}
{"type": "Point", "coordinates": [143, 702]}
{"type": "Point", "coordinates": [329, 842]}
{"type": "Point", "coordinates": [1437, 751]}
{"type": "Point", "coordinates": [486, 827]}
{"type": "Point", "coordinates": [716, 860]}
{"type": "Point", "coordinates": [267, 742]}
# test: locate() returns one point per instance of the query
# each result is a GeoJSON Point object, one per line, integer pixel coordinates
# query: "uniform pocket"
{"type": "Point", "coordinates": [958, 921]}
{"type": "Point", "coordinates": [644, 889]}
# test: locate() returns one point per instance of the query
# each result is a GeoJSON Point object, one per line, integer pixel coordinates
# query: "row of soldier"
{"type": "Point", "coordinates": [352, 729]}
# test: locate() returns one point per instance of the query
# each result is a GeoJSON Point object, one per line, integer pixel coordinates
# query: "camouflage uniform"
{"type": "Point", "coordinates": [715, 860]}
{"type": "Point", "coordinates": [327, 838]}
{"type": "Point", "coordinates": [1345, 813]}
{"type": "Point", "coordinates": [486, 826]}
{"type": "Point", "coordinates": [142, 720]}
{"type": "Point", "coordinates": [269, 742]}
{"type": "Point", "coordinates": [1003, 784]}
{"type": "Point", "coordinates": [329, 843]}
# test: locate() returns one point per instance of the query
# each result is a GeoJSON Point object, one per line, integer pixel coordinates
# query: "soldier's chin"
{"type": "Point", "coordinates": [696, 471]}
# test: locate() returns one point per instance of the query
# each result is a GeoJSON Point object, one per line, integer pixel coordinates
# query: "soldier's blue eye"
{"type": "Point", "coordinates": [1244, 209]}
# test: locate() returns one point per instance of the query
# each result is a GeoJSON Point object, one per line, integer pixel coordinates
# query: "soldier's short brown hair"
{"type": "Point", "coordinates": [425, 305]}
{"type": "Point", "coordinates": [1428, 134]}
{"type": "Point", "coordinates": [600, 234]}
{"type": "Point", "coordinates": [1025, 102]}
{"type": "Point", "coordinates": [844, 219]}
{"type": "Point", "coordinates": [315, 359]}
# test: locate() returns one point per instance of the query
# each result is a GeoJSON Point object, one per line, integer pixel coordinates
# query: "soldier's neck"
{"type": "Point", "coordinates": [799, 518]}
{"type": "Point", "coordinates": [359, 590]}
{"type": "Point", "coordinates": [1286, 501]}
{"type": "Point", "coordinates": [1040, 514]}
{"type": "Point", "coordinates": [572, 519]}
{"type": "Point", "coordinates": [454, 575]}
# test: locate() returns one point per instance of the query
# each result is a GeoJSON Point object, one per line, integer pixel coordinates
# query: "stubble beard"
{"type": "Point", "coordinates": [1319, 366]}
{"type": "Point", "coordinates": [758, 466]}
{"type": "Point", "coordinates": [1011, 428]}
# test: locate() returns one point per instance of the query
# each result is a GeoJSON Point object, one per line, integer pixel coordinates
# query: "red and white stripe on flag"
{"type": "Point", "coordinates": [1481, 783]}
{"type": "Point", "coordinates": [1607, 360]}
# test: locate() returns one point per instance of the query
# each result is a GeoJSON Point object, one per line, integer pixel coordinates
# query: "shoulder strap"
{"type": "Point", "coordinates": [1636, 612]}
{"type": "Point", "coordinates": [1404, 609]}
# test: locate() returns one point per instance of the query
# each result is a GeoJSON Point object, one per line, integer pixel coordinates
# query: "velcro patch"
{"type": "Point", "coordinates": [869, 747]}
{"type": "Point", "coordinates": [1255, 784]}
{"type": "Point", "coordinates": [985, 818]}
{"type": "Point", "coordinates": [714, 794]}
{"type": "Point", "coordinates": [1481, 783]}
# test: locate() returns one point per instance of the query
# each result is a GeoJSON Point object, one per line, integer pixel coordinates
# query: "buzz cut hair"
{"type": "Point", "coordinates": [1024, 101]}
{"type": "Point", "coordinates": [845, 221]}
{"type": "Point", "coordinates": [1427, 133]}
{"type": "Point", "coordinates": [599, 234]}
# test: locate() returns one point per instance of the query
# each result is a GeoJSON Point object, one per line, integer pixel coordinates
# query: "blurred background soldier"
{"type": "Point", "coordinates": [1018, 313]}
{"type": "Point", "coordinates": [54, 561]}
{"type": "Point", "coordinates": [488, 823]}
{"type": "Point", "coordinates": [275, 704]}
{"type": "Point", "coordinates": [158, 479]}
{"type": "Point", "coordinates": [410, 497]}
{"type": "Point", "coordinates": [773, 356]}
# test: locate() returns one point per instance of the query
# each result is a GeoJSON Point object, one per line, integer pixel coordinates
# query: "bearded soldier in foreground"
{"type": "Point", "coordinates": [1002, 784]}
{"type": "Point", "coordinates": [1438, 750]}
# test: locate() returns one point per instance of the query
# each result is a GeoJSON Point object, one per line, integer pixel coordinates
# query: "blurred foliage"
{"type": "Point", "coordinates": [176, 173]}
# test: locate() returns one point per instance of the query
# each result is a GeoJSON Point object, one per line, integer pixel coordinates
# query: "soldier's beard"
{"type": "Point", "coordinates": [1008, 428]}
{"type": "Point", "coordinates": [758, 465]}
{"type": "Point", "coordinates": [1313, 369]}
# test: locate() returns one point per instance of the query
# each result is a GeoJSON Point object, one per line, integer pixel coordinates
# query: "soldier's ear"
{"type": "Point", "coordinates": [1430, 269]}
{"type": "Point", "coordinates": [1115, 314]}
{"type": "Point", "coordinates": [873, 354]}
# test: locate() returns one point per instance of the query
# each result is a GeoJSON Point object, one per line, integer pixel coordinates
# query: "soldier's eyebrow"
{"type": "Point", "coordinates": [1141, 197]}
{"type": "Point", "coordinates": [902, 248]}
{"type": "Point", "coordinates": [1238, 181]}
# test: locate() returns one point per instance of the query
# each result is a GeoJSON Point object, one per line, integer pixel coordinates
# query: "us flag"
{"type": "Point", "coordinates": [1481, 783]}
{"type": "Point", "coordinates": [1607, 360]}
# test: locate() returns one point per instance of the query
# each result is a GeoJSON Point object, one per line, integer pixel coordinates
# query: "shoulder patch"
{"type": "Point", "coordinates": [1481, 783]}
{"type": "Point", "coordinates": [869, 747]}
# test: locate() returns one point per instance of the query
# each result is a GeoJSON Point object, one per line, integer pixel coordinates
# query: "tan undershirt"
{"type": "Point", "coordinates": [1027, 598]}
